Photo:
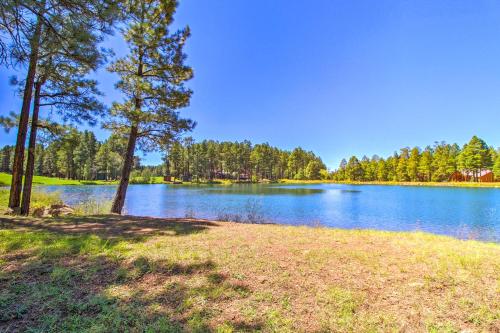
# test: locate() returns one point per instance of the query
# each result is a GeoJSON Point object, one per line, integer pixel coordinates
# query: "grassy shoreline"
{"type": "Point", "coordinates": [41, 180]}
{"type": "Point", "coordinates": [419, 184]}
{"type": "Point", "coordinates": [5, 180]}
{"type": "Point", "coordinates": [176, 275]}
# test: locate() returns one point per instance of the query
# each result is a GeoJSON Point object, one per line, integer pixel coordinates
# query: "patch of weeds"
{"type": "Point", "coordinates": [10, 308]}
{"type": "Point", "coordinates": [187, 303]}
{"type": "Point", "coordinates": [95, 304]}
{"type": "Point", "coordinates": [340, 306]}
{"type": "Point", "coordinates": [263, 296]}
{"type": "Point", "coordinates": [249, 312]}
{"type": "Point", "coordinates": [239, 276]}
{"type": "Point", "coordinates": [121, 274]}
{"type": "Point", "coordinates": [469, 263]}
{"type": "Point", "coordinates": [90, 272]}
{"type": "Point", "coordinates": [93, 207]}
{"type": "Point", "coordinates": [241, 290]}
{"type": "Point", "coordinates": [209, 292]}
{"type": "Point", "coordinates": [175, 294]}
{"type": "Point", "coordinates": [483, 316]}
{"type": "Point", "coordinates": [141, 266]}
{"type": "Point", "coordinates": [441, 278]}
{"type": "Point", "coordinates": [198, 322]}
{"type": "Point", "coordinates": [48, 322]}
{"type": "Point", "coordinates": [163, 325]}
{"type": "Point", "coordinates": [215, 278]}
{"type": "Point", "coordinates": [61, 275]}
{"type": "Point", "coordinates": [224, 328]}
{"type": "Point", "coordinates": [441, 328]}
{"type": "Point", "coordinates": [285, 303]}
{"type": "Point", "coordinates": [20, 288]}
{"type": "Point", "coordinates": [277, 322]}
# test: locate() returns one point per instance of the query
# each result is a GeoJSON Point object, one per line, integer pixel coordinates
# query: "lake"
{"type": "Point", "coordinates": [459, 212]}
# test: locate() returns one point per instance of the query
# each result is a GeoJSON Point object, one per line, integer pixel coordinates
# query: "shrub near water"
{"type": "Point", "coordinates": [46, 199]}
{"type": "Point", "coordinates": [38, 199]}
{"type": "Point", "coordinates": [93, 207]}
{"type": "Point", "coordinates": [252, 213]}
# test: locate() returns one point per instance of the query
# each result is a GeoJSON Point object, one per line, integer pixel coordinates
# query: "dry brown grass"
{"type": "Point", "coordinates": [192, 275]}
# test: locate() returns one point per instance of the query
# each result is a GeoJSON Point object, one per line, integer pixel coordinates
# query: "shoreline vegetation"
{"type": "Point", "coordinates": [150, 274]}
{"type": "Point", "coordinates": [211, 161]}
{"type": "Point", "coordinates": [42, 180]}
{"type": "Point", "coordinates": [191, 163]}
{"type": "Point", "coordinates": [391, 183]}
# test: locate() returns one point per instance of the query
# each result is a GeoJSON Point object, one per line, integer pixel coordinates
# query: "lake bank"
{"type": "Point", "coordinates": [420, 184]}
{"type": "Point", "coordinates": [92, 273]}
{"type": "Point", "coordinates": [5, 180]}
{"type": "Point", "coordinates": [466, 213]}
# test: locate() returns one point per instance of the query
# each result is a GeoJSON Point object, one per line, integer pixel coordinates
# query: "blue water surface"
{"type": "Point", "coordinates": [459, 212]}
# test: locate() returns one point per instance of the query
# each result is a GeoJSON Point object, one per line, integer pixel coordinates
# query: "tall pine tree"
{"type": "Point", "coordinates": [24, 23]}
{"type": "Point", "coordinates": [152, 78]}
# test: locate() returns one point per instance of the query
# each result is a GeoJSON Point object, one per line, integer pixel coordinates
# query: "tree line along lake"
{"type": "Point", "coordinates": [466, 213]}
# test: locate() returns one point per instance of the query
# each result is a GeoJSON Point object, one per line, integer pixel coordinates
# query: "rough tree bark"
{"type": "Point", "coordinates": [121, 192]}
{"type": "Point", "coordinates": [17, 167]}
{"type": "Point", "coordinates": [30, 163]}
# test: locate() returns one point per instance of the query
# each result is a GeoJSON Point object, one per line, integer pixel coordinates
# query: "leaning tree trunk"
{"type": "Point", "coordinates": [121, 192]}
{"type": "Point", "coordinates": [17, 167]}
{"type": "Point", "coordinates": [30, 163]}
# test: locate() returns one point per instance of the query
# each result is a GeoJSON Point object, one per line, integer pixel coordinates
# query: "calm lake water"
{"type": "Point", "coordinates": [460, 212]}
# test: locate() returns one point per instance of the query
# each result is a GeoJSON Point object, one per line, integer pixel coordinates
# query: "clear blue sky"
{"type": "Point", "coordinates": [336, 77]}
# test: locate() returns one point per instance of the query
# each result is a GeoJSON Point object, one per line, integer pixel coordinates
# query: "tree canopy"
{"type": "Point", "coordinates": [436, 163]}
{"type": "Point", "coordinates": [152, 77]}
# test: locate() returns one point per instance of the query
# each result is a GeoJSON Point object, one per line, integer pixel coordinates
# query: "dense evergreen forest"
{"type": "Point", "coordinates": [79, 155]}
{"type": "Point", "coordinates": [437, 163]}
{"type": "Point", "coordinates": [210, 159]}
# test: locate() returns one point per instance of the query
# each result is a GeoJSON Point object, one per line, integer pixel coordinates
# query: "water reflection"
{"type": "Point", "coordinates": [463, 213]}
{"type": "Point", "coordinates": [264, 190]}
{"type": "Point", "coordinates": [350, 191]}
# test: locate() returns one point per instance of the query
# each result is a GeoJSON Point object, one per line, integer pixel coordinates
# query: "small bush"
{"type": "Point", "coordinates": [254, 211]}
{"type": "Point", "coordinates": [93, 207]}
{"type": "Point", "coordinates": [45, 199]}
{"type": "Point", "coordinates": [38, 199]}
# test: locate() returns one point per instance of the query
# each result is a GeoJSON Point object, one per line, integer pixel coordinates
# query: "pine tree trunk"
{"type": "Point", "coordinates": [30, 164]}
{"type": "Point", "coordinates": [121, 192]}
{"type": "Point", "coordinates": [17, 167]}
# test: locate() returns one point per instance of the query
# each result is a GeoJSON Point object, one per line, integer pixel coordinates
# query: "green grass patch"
{"type": "Point", "coordinates": [5, 180]}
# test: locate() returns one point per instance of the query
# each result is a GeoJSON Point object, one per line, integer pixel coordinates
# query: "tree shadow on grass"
{"type": "Point", "coordinates": [111, 226]}
{"type": "Point", "coordinates": [55, 280]}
